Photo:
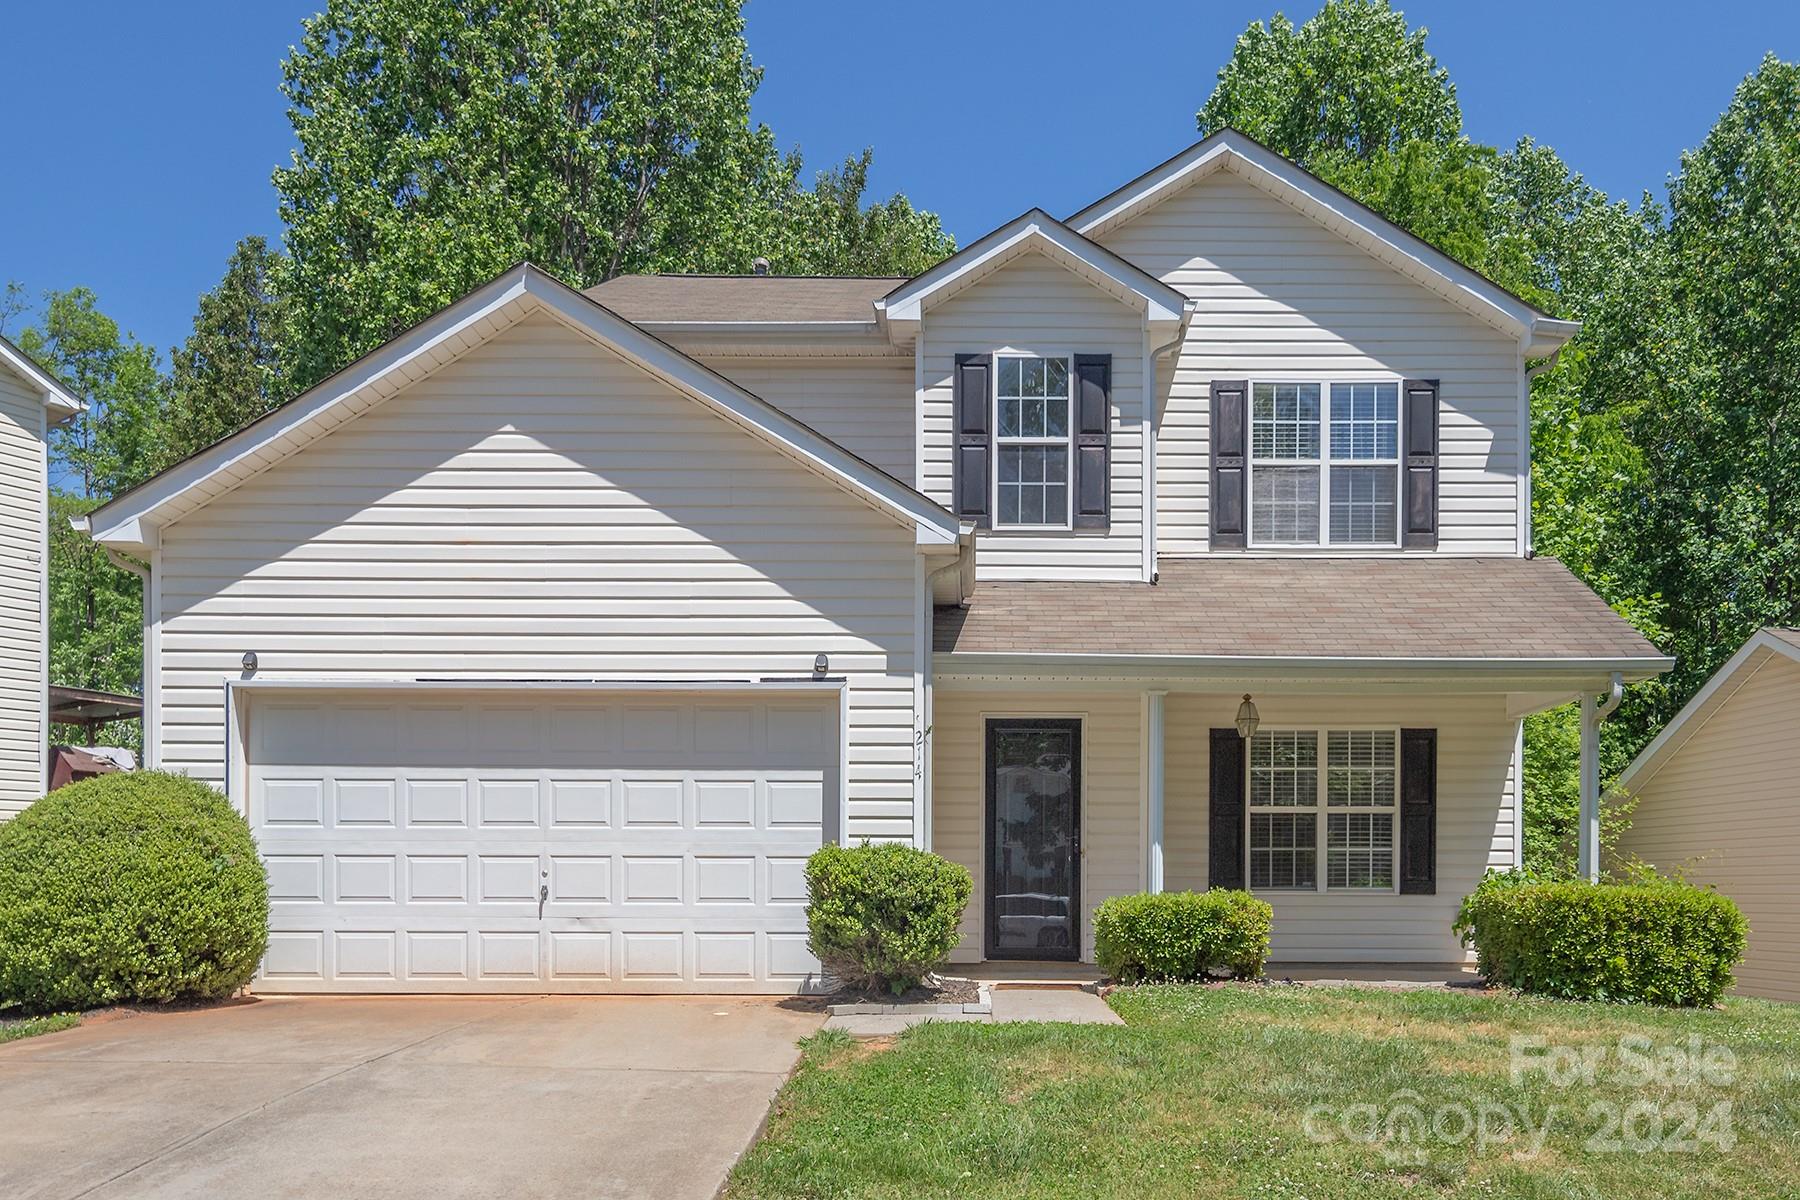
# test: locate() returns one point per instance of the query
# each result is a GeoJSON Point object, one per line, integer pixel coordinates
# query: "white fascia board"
{"type": "Point", "coordinates": [1037, 229]}
{"type": "Point", "coordinates": [1231, 150]}
{"type": "Point", "coordinates": [1483, 674]}
{"type": "Point", "coordinates": [929, 520]}
{"type": "Point", "coordinates": [130, 521]}
{"type": "Point", "coordinates": [61, 403]}
{"type": "Point", "coordinates": [1737, 670]}
{"type": "Point", "coordinates": [127, 520]}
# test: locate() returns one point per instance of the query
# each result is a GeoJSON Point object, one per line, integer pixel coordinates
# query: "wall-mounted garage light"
{"type": "Point", "coordinates": [1248, 718]}
{"type": "Point", "coordinates": [249, 662]}
{"type": "Point", "coordinates": [821, 664]}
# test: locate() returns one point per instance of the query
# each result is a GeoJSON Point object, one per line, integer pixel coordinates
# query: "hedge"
{"type": "Point", "coordinates": [1182, 935]}
{"type": "Point", "coordinates": [1658, 941]}
{"type": "Point", "coordinates": [883, 916]}
{"type": "Point", "coordinates": [131, 887]}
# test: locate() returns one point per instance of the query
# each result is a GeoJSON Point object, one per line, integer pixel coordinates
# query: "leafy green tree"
{"type": "Point", "coordinates": [96, 618]}
{"type": "Point", "coordinates": [441, 141]}
{"type": "Point", "coordinates": [830, 230]}
{"type": "Point", "coordinates": [111, 446]}
{"type": "Point", "coordinates": [228, 372]}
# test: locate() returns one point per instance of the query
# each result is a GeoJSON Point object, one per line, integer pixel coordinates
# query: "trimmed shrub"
{"type": "Point", "coordinates": [883, 916]}
{"type": "Point", "coordinates": [138, 887]}
{"type": "Point", "coordinates": [1161, 936]}
{"type": "Point", "coordinates": [1654, 940]}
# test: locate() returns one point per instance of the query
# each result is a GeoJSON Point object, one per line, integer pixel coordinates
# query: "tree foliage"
{"type": "Point", "coordinates": [440, 141]}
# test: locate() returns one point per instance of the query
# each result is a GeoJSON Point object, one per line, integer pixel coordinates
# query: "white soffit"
{"type": "Point", "coordinates": [1229, 150]}
{"type": "Point", "coordinates": [130, 521]}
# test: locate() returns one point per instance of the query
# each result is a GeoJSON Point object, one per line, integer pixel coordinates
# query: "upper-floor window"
{"type": "Point", "coordinates": [1032, 443]}
{"type": "Point", "coordinates": [1325, 464]}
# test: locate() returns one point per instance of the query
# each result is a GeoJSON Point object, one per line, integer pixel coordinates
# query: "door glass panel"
{"type": "Point", "coordinates": [1032, 876]}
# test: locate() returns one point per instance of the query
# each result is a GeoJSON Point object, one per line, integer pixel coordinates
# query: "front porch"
{"type": "Point", "coordinates": [1142, 795]}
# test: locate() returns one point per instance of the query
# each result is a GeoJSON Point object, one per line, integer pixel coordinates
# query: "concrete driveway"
{"type": "Point", "coordinates": [396, 1096]}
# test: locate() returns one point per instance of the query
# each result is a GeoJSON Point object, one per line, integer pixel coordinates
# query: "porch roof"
{"type": "Point", "coordinates": [1403, 611]}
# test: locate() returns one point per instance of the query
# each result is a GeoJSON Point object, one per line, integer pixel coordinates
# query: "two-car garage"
{"type": "Point", "coordinates": [533, 839]}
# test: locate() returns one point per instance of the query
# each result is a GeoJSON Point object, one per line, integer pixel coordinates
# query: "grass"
{"type": "Point", "coordinates": [1206, 1092]}
{"type": "Point", "coordinates": [15, 1029]}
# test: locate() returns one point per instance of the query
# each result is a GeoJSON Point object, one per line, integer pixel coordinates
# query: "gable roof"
{"type": "Point", "coordinates": [1230, 150]}
{"type": "Point", "coordinates": [61, 402]}
{"type": "Point", "coordinates": [1764, 646]}
{"type": "Point", "coordinates": [1032, 231]}
{"type": "Point", "coordinates": [130, 520]}
{"type": "Point", "coordinates": [751, 302]}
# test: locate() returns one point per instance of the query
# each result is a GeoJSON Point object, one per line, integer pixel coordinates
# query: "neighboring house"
{"type": "Point", "coordinates": [1718, 798]}
{"type": "Point", "coordinates": [31, 404]}
{"type": "Point", "coordinates": [542, 644]}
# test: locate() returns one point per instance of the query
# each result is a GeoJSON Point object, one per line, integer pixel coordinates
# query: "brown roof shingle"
{"type": "Point", "coordinates": [649, 299]}
{"type": "Point", "coordinates": [1399, 608]}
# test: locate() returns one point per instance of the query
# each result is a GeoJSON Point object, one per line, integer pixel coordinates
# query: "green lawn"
{"type": "Point", "coordinates": [1299, 1092]}
{"type": "Point", "coordinates": [12, 1029]}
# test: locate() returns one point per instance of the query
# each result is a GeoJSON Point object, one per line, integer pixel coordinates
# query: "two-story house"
{"type": "Point", "coordinates": [32, 403]}
{"type": "Point", "coordinates": [1183, 542]}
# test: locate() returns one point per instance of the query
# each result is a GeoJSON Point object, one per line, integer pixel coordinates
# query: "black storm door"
{"type": "Point", "coordinates": [1033, 838]}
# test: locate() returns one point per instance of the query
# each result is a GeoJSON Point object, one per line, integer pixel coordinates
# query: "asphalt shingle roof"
{"type": "Point", "coordinates": [1433, 608]}
{"type": "Point", "coordinates": [776, 298]}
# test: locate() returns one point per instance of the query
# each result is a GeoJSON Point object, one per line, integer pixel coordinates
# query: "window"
{"type": "Point", "coordinates": [1357, 794]}
{"type": "Point", "coordinates": [1031, 399]}
{"type": "Point", "coordinates": [1325, 460]}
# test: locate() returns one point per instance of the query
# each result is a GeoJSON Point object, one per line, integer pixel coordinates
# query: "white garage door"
{"type": "Point", "coordinates": [510, 842]}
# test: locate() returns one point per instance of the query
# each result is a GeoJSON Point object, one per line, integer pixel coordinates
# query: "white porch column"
{"type": "Point", "coordinates": [1153, 786]}
{"type": "Point", "coordinates": [1587, 857]}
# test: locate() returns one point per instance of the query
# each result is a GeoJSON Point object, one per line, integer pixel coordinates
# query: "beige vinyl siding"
{"type": "Point", "coordinates": [22, 733]}
{"type": "Point", "coordinates": [1280, 297]}
{"type": "Point", "coordinates": [542, 509]}
{"type": "Point", "coordinates": [1036, 306]}
{"type": "Point", "coordinates": [863, 404]}
{"type": "Point", "coordinates": [1725, 808]}
{"type": "Point", "coordinates": [1111, 791]}
{"type": "Point", "coordinates": [1475, 808]}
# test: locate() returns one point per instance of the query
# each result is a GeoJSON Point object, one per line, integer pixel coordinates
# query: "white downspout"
{"type": "Point", "coordinates": [1588, 837]}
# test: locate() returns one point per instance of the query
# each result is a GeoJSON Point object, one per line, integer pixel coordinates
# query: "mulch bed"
{"type": "Point", "coordinates": [940, 990]}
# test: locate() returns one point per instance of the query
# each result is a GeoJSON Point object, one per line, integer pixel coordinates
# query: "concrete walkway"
{"type": "Point", "coordinates": [383, 1097]}
{"type": "Point", "coordinates": [1069, 1004]}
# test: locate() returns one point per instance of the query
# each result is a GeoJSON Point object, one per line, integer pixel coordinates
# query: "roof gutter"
{"type": "Point", "coordinates": [1309, 666]}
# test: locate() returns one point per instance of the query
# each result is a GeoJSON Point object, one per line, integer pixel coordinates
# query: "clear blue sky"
{"type": "Point", "coordinates": [140, 137]}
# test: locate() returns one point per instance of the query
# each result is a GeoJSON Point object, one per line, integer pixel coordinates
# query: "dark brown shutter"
{"type": "Point", "coordinates": [1419, 464]}
{"type": "Point", "coordinates": [1418, 812]}
{"type": "Point", "coordinates": [974, 444]}
{"type": "Point", "coordinates": [1225, 812]}
{"type": "Point", "coordinates": [1093, 441]}
{"type": "Point", "coordinates": [1228, 475]}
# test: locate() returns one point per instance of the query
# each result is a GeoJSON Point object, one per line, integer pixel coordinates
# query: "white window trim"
{"type": "Point", "coordinates": [1324, 462]}
{"type": "Point", "coordinates": [1322, 809]}
{"type": "Point", "coordinates": [1067, 443]}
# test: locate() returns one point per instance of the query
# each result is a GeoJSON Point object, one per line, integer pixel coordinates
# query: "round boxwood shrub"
{"type": "Point", "coordinates": [1648, 939]}
{"type": "Point", "coordinates": [883, 915]}
{"type": "Point", "coordinates": [1172, 936]}
{"type": "Point", "coordinates": [132, 887]}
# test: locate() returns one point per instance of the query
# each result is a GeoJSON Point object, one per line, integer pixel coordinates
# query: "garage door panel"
{"type": "Point", "coordinates": [462, 844]}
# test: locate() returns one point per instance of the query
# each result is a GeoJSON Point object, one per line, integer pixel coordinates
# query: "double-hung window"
{"type": "Point", "coordinates": [1032, 442]}
{"type": "Point", "coordinates": [1323, 799]}
{"type": "Point", "coordinates": [1325, 464]}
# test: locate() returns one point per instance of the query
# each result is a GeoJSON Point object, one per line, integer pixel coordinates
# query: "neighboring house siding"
{"type": "Point", "coordinates": [863, 404]}
{"type": "Point", "coordinates": [542, 509]}
{"type": "Point", "coordinates": [1035, 306]}
{"type": "Point", "coordinates": [22, 733]}
{"type": "Point", "coordinates": [1281, 297]}
{"type": "Point", "coordinates": [1725, 808]}
{"type": "Point", "coordinates": [1475, 809]}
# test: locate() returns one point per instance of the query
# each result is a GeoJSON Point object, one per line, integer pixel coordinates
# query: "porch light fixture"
{"type": "Point", "coordinates": [250, 661]}
{"type": "Point", "coordinates": [1247, 719]}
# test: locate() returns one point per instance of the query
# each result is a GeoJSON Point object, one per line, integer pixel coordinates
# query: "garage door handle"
{"type": "Point", "coordinates": [543, 895]}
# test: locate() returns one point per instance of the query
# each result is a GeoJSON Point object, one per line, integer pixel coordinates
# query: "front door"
{"type": "Point", "coordinates": [1033, 838]}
